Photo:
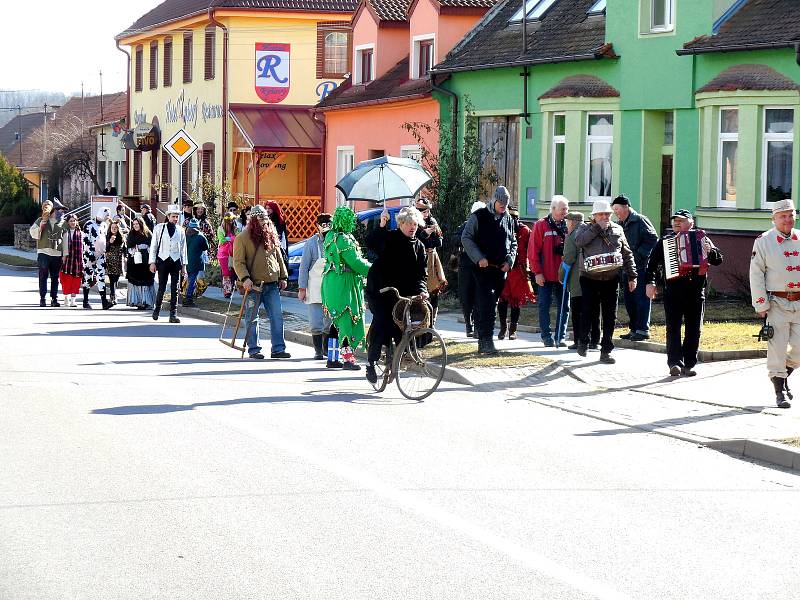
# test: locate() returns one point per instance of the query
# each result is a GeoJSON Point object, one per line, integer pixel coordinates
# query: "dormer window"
{"type": "Point", "coordinates": [423, 56]}
{"type": "Point", "coordinates": [533, 9]}
{"type": "Point", "coordinates": [662, 17]}
{"type": "Point", "coordinates": [365, 63]}
{"type": "Point", "coordinates": [598, 8]}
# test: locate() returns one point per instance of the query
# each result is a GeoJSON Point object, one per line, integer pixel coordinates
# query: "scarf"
{"type": "Point", "coordinates": [73, 262]}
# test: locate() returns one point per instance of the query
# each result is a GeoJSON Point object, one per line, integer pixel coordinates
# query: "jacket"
{"type": "Point", "coordinates": [401, 263]}
{"type": "Point", "coordinates": [574, 258]}
{"type": "Point", "coordinates": [312, 251]}
{"type": "Point", "coordinates": [161, 241]}
{"type": "Point", "coordinates": [491, 236]}
{"type": "Point", "coordinates": [50, 240]}
{"type": "Point", "coordinates": [590, 240]}
{"type": "Point", "coordinates": [196, 244]}
{"type": "Point", "coordinates": [545, 249]}
{"type": "Point", "coordinates": [641, 236]}
{"type": "Point", "coordinates": [254, 263]}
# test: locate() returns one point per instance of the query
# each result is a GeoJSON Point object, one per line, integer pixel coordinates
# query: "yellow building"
{"type": "Point", "coordinates": [240, 78]}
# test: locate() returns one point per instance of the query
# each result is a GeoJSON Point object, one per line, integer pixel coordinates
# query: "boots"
{"type": "Point", "coordinates": [317, 339]}
{"type": "Point", "coordinates": [104, 300]}
{"type": "Point", "coordinates": [779, 383]}
{"type": "Point", "coordinates": [173, 316]}
{"type": "Point", "coordinates": [86, 298]}
{"type": "Point", "coordinates": [349, 359]}
{"type": "Point", "coordinates": [486, 346]}
{"type": "Point", "coordinates": [501, 335]}
{"type": "Point", "coordinates": [333, 354]}
{"type": "Point", "coordinates": [789, 371]}
{"type": "Point", "coordinates": [512, 331]}
{"type": "Point", "coordinates": [157, 307]}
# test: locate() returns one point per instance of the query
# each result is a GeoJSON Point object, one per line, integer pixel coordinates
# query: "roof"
{"type": "Point", "coordinates": [173, 10]}
{"type": "Point", "coordinates": [565, 33]}
{"type": "Point", "coordinates": [390, 10]}
{"type": "Point", "coordinates": [581, 86]}
{"type": "Point", "coordinates": [394, 85]}
{"type": "Point", "coordinates": [749, 77]}
{"type": "Point", "coordinates": [30, 122]}
{"type": "Point", "coordinates": [468, 3]}
{"type": "Point", "coordinates": [757, 24]}
{"type": "Point", "coordinates": [278, 129]}
{"type": "Point", "coordinates": [94, 111]}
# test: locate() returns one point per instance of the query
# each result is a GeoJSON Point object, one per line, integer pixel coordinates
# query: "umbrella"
{"type": "Point", "coordinates": [384, 178]}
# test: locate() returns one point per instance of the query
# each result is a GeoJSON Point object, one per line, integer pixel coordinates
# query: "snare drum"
{"type": "Point", "coordinates": [603, 262]}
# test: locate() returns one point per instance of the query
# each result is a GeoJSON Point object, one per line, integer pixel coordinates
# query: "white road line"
{"type": "Point", "coordinates": [413, 503]}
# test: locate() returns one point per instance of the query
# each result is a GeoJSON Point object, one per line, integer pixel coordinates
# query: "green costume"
{"type": "Point", "coordinates": [343, 278]}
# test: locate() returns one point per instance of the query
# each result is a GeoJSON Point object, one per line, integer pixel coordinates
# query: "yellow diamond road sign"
{"type": "Point", "coordinates": [180, 146]}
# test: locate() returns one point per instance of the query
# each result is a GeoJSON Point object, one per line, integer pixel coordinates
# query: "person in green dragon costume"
{"type": "Point", "coordinates": [343, 290]}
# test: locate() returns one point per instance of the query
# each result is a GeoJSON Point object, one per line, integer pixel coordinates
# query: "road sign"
{"type": "Point", "coordinates": [180, 146]}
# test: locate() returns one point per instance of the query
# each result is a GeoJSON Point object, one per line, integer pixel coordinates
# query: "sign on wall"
{"type": "Point", "coordinates": [180, 146]}
{"type": "Point", "coordinates": [146, 137]}
{"type": "Point", "coordinates": [272, 72]}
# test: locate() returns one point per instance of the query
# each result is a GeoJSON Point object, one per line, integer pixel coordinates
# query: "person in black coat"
{"type": "Point", "coordinates": [401, 263]}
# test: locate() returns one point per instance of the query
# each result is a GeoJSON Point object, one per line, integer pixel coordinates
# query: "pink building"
{"type": "Point", "coordinates": [395, 43]}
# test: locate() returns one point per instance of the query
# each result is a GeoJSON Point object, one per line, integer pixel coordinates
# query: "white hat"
{"type": "Point", "coordinates": [173, 209]}
{"type": "Point", "coordinates": [601, 206]}
{"type": "Point", "coordinates": [477, 205]}
{"type": "Point", "coordinates": [783, 205]}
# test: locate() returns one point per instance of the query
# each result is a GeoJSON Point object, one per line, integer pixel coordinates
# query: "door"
{"type": "Point", "coordinates": [666, 192]}
{"type": "Point", "coordinates": [499, 143]}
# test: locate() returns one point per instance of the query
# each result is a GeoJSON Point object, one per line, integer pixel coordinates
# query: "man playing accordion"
{"type": "Point", "coordinates": [680, 262]}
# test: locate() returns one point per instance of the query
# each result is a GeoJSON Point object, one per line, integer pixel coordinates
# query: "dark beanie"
{"type": "Point", "coordinates": [621, 199]}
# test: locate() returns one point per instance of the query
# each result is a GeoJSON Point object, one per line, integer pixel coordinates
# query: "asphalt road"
{"type": "Point", "coordinates": [144, 460]}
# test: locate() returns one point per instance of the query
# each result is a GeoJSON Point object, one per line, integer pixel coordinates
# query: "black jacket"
{"type": "Point", "coordinates": [641, 236]}
{"type": "Point", "coordinates": [401, 263]}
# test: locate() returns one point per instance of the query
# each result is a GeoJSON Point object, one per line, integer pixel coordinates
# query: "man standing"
{"type": "Point", "coordinates": [258, 263]}
{"type": "Point", "coordinates": [684, 295]}
{"type": "Point", "coordinates": [309, 283]}
{"type": "Point", "coordinates": [544, 256]}
{"type": "Point", "coordinates": [775, 290]}
{"type": "Point", "coordinates": [48, 231]}
{"type": "Point", "coordinates": [109, 190]}
{"type": "Point", "coordinates": [573, 258]}
{"type": "Point", "coordinates": [606, 253]}
{"type": "Point", "coordinates": [169, 258]}
{"type": "Point", "coordinates": [149, 220]}
{"type": "Point", "coordinates": [642, 238]}
{"type": "Point", "coordinates": [490, 243]}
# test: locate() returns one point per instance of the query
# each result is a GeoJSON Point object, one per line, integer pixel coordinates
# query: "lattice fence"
{"type": "Point", "coordinates": [300, 213]}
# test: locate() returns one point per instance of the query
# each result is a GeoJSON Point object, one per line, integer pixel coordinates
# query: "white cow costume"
{"type": "Point", "coordinates": [94, 260]}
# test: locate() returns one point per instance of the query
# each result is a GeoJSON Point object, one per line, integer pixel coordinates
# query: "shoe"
{"type": "Point", "coordinates": [501, 335]}
{"type": "Point", "coordinates": [141, 307]}
{"type": "Point", "coordinates": [674, 371]}
{"type": "Point", "coordinates": [87, 305]}
{"type": "Point", "coordinates": [174, 319]}
{"type": "Point", "coordinates": [688, 372]}
{"type": "Point", "coordinates": [334, 364]}
{"type": "Point", "coordinates": [780, 399]}
{"type": "Point", "coordinates": [54, 303]}
{"type": "Point", "coordinates": [155, 315]}
{"type": "Point", "coordinates": [572, 347]}
{"type": "Point", "coordinates": [256, 356]}
{"type": "Point", "coordinates": [548, 343]}
{"type": "Point", "coordinates": [639, 337]}
{"type": "Point", "coordinates": [188, 302]}
{"type": "Point", "coordinates": [627, 336]}
{"type": "Point", "coordinates": [283, 354]}
{"type": "Point", "coordinates": [372, 376]}
{"type": "Point", "coordinates": [512, 331]}
{"type": "Point", "coordinates": [469, 331]}
{"type": "Point", "coordinates": [317, 340]}
{"type": "Point", "coordinates": [581, 350]}
{"type": "Point", "coordinates": [561, 344]}
{"type": "Point", "coordinates": [488, 348]}
{"type": "Point", "coordinates": [42, 302]}
{"type": "Point", "coordinates": [351, 366]}
{"type": "Point", "coordinates": [607, 359]}
{"type": "Point", "coordinates": [593, 347]}
{"type": "Point", "coordinates": [474, 335]}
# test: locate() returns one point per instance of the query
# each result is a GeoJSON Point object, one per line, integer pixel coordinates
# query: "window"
{"type": "Point", "coordinates": [412, 151]}
{"type": "Point", "coordinates": [138, 67]}
{"type": "Point", "coordinates": [661, 15]}
{"type": "Point", "coordinates": [137, 173]}
{"type": "Point", "coordinates": [365, 67]}
{"type": "Point", "coordinates": [210, 51]}
{"type": "Point", "coordinates": [559, 148]}
{"type": "Point", "coordinates": [535, 10]}
{"type": "Point", "coordinates": [598, 8]}
{"type": "Point", "coordinates": [333, 50]}
{"type": "Point", "coordinates": [599, 151]}
{"type": "Point", "coordinates": [167, 61]}
{"type": "Point", "coordinates": [153, 65]}
{"type": "Point", "coordinates": [345, 158]}
{"type": "Point", "coordinates": [727, 151]}
{"type": "Point", "coordinates": [777, 154]}
{"type": "Point", "coordinates": [669, 128]}
{"type": "Point", "coordinates": [423, 57]}
{"type": "Point", "coordinates": [187, 57]}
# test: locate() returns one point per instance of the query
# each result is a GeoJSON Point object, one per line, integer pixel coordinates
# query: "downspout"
{"type": "Point", "coordinates": [224, 90]}
{"type": "Point", "coordinates": [797, 53]}
{"type": "Point", "coordinates": [454, 117]}
{"type": "Point", "coordinates": [323, 122]}
{"type": "Point", "coordinates": [127, 115]}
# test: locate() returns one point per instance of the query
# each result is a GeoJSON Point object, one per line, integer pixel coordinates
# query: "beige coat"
{"type": "Point", "coordinates": [254, 263]}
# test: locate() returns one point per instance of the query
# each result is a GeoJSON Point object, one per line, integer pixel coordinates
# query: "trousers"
{"type": "Point", "coordinates": [684, 302]}
{"type": "Point", "coordinates": [489, 284]}
{"type": "Point", "coordinates": [168, 269]}
{"type": "Point", "coordinates": [637, 304]}
{"type": "Point", "coordinates": [783, 350]}
{"type": "Point", "coordinates": [553, 290]}
{"type": "Point", "coordinates": [270, 299]}
{"type": "Point", "coordinates": [599, 299]}
{"type": "Point", "coordinates": [49, 267]}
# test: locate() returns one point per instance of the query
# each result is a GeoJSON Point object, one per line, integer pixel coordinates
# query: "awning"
{"type": "Point", "coordinates": [274, 129]}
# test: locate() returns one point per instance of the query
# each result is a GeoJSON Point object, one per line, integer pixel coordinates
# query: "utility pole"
{"type": "Point", "coordinates": [19, 128]}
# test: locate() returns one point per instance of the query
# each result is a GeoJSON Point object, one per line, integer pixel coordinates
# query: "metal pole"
{"type": "Point", "coordinates": [19, 127]}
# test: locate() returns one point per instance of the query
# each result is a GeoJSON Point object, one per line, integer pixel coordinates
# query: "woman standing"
{"type": "Point", "coordinates": [517, 290]}
{"type": "Point", "coordinates": [275, 215]}
{"type": "Point", "coordinates": [343, 289]}
{"type": "Point", "coordinates": [430, 234]}
{"type": "Point", "coordinates": [71, 273]}
{"type": "Point", "coordinates": [226, 233]}
{"type": "Point", "coordinates": [201, 214]}
{"type": "Point", "coordinates": [141, 288]}
{"type": "Point", "coordinates": [115, 250]}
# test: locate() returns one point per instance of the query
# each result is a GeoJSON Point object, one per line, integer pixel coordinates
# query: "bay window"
{"type": "Point", "coordinates": [599, 151]}
{"type": "Point", "coordinates": [777, 155]}
{"type": "Point", "coordinates": [559, 149]}
{"type": "Point", "coordinates": [727, 152]}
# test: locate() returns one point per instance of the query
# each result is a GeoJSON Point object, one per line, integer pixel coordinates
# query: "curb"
{"type": "Point", "coordinates": [18, 267]}
{"type": "Point", "coordinates": [761, 450]}
{"type": "Point", "coordinates": [451, 374]}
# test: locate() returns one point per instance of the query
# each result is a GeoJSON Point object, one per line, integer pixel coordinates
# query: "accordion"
{"type": "Point", "coordinates": [686, 254]}
{"type": "Point", "coordinates": [602, 262]}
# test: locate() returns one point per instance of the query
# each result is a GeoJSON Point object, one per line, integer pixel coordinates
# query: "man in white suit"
{"type": "Point", "coordinates": [168, 259]}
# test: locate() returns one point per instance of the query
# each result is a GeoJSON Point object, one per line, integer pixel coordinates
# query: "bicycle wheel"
{"type": "Point", "coordinates": [383, 368]}
{"type": "Point", "coordinates": [419, 363]}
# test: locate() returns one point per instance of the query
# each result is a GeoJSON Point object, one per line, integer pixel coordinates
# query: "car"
{"type": "Point", "coordinates": [370, 218]}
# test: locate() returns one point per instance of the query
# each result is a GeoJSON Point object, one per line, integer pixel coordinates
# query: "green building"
{"type": "Point", "coordinates": [676, 103]}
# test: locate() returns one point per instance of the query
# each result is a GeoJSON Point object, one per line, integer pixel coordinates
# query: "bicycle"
{"type": "Point", "coordinates": [419, 361]}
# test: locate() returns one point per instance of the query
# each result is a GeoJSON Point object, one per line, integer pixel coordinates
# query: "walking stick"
{"type": "Point", "coordinates": [232, 342]}
{"type": "Point", "coordinates": [567, 269]}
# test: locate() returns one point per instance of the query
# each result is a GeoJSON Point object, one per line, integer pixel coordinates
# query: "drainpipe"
{"type": "Point", "coordinates": [314, 115]}
{"type": "Point", "coordinates": [224, 90]}
{"type": "Point", "coordinates": [454, 103]}
{"type": "Point", "coordinates": [797, 53]}
{"type": "Point", "coordinates": [127, 115]}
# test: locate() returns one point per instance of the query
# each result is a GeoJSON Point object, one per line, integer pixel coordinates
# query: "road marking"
{"type": "Point", "coordinates": [415, 504]}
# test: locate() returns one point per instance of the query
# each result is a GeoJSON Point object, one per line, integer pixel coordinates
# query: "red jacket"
{"type": "Point", "coordinates": [523, 237]}
{"type": "Point", "coordinates": [542, 256]}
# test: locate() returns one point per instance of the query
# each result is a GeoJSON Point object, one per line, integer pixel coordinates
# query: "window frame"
{"type": "Point", "coordinates": [418, 41]}
{"type": "Point", "coordinates": [555, 140]}
{"type": "Point", "coordinates": [138, 68]}
{"type": "Point", "coordinates": [598, 139]}
{"type": "Point", "coordinates": [323, 30]}
{"type": "Point", "coordinates": [209, 52]}
{"type": "Point", "coordinates": [669, 6]}
{"type": "Point", "coordinates": [341, 152]}
{"type": "Point", "coordinates": [167, 58]}
{"type": "Point", "coordinates": [357, 62]}
{"type": "Point", "coordinates": [154, 65]}
{"type": "Point", "coordinates": [544, 5]}
{"type": "Point", "coordinates": [411, 151]}
{"type": "Point", "coordinates": [775, 137]}
{"type": "Point", "coordinates": [721, 138]}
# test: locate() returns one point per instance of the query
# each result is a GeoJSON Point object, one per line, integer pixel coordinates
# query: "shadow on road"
{"type": "Point", "coordinates": [136, 330]}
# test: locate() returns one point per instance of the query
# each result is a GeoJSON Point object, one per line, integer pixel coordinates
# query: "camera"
{"type": "Point", "coordinates": [766, 333]}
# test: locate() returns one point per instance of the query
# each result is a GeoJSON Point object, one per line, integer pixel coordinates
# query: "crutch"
{"type": "Point", "coordinates": [566, 268]}
{"type": "Point", "coordinates": [232, 342]}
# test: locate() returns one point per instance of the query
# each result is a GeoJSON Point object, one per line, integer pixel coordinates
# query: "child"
{"type": "Point", "coordinates": [196, 245]}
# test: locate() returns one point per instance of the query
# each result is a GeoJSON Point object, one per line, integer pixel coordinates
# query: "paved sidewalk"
{"type": "Point", "coordinates": [12, 251]}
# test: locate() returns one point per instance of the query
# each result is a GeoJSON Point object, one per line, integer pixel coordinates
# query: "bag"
{"type": "Point", "coordinates": [314, 291]}
{"type": "Point", "coordinates": [436, 279]}
{"type": "Point", "coordinates": [137, 257]}
{"type": "Point", "coordinates": [204, 257]}
{"type": "Point", "coordinates": [453, 262]}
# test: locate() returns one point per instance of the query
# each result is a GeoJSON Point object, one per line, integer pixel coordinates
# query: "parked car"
{"type": "Point", "coordinates": [370, 218]}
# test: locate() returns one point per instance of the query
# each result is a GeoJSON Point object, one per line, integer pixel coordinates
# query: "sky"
{"type": "Point", "coordinates": [55, 45]}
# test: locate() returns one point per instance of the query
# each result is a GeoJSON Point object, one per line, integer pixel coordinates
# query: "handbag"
{"type": "Point", "coordinates": [137, 257]}
{"type": "Point", "coordinates": [453, 262]}
{"type": "Point", "coordinates": [436, 279]}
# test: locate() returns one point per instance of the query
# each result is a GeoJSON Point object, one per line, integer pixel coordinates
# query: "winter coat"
{"type": "Point", "coordinates": [642, 238]}
{"type": "Point", "coordinates": [546, 248]}
{"type": "Point", "coordinates": [594, 241]}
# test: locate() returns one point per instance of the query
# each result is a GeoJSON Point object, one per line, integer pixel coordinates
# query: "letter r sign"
{"type": "Point", "coordinates": [272, 72]}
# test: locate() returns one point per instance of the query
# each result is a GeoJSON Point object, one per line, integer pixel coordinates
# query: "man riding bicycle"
{"type": "Point", "coordinates": [401, 263]}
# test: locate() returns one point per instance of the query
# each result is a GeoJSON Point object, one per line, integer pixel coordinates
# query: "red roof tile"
{"type": "Point", "coordinates": [749, 77]}
{"type": "Point", "coordinates": [581, 86]}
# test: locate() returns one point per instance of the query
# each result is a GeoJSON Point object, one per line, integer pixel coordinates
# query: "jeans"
{"type": "Point", "coordinates": [168, 269]}
{"type": "Point", "coordinates": [270, 298]}
{"type": "Point", "coordinates": [49, 266]}
{"type": "Point", "coordinates": [638, 305]}
{"type": "Point", "coordinates": [547, 292]}
{"type": "Point", "coordinates": [489, 284]}
{"type": "Point", "coordinates": [191, 283]}
{"type": "Point", "coordinates": [684, 301]}
{"type": "Point", "coordinates": [319, 321]}
{"type": "Point", "coordinates": [599, 298]}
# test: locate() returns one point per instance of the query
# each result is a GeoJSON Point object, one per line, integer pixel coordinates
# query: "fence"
{"type": "Point", "coordinates": [300, 213]}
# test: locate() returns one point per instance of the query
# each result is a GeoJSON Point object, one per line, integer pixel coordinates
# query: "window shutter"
{"type": "Point", "coordinates": [167, 61]}
{"type": "Point", "coordinates": [138, 69]}
{"type": "Point", "coordinates": [153, 65]}
{"type": "Point", "coordinates": [320, 50]}
{"type": "Point", "coordinates": [211, 38]}
{"type": "Point", "coordinates": [207, 156]}
{"type": "Point", "coordinates": [137, 173]}
{"type": "Point", "coordinates": [187, 57]}
{"type": "Point", "coordinates": [166, 169]}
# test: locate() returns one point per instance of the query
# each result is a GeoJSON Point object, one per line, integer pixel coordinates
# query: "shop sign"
{"type": "Point", "coordinates": [146, 137]}
{"type": "Point", "coordinates": [272, 72]}
{"type": "Point", "coordinates": [187, 110]}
